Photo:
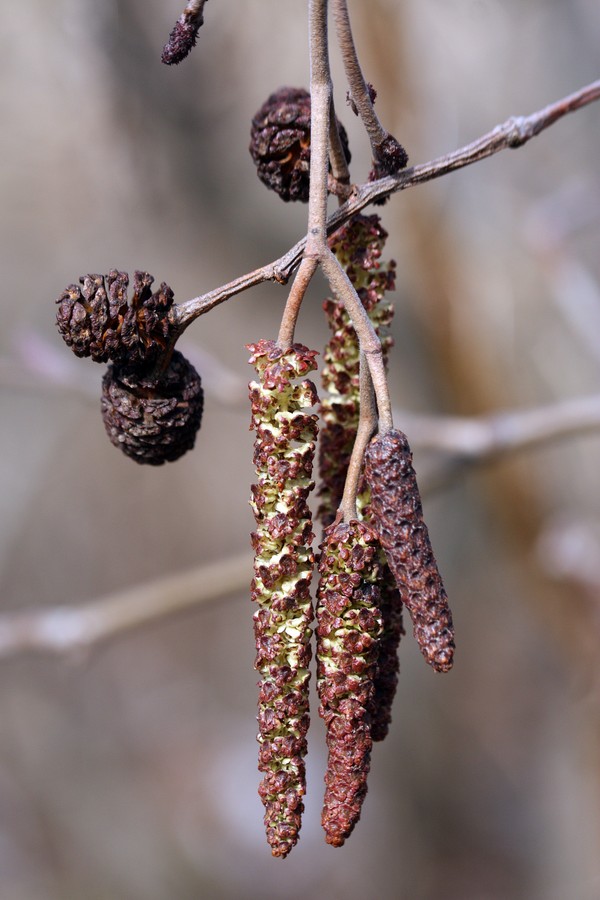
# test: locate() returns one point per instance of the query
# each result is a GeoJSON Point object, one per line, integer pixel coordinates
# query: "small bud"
{"type": "Point", "coordinates": [397, 515]}
{"type": "Point", "coordinates": [280, 143]}
{"type": "Point", "coordinates": [185, 33]}
{"type": "Point", "coordinates": [390, 158]}
{"type": "Point", "coordinates": [153, 419]}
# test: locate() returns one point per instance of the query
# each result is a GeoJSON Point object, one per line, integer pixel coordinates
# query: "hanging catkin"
{"type": "Point", "coordinates": [348, 631]}
{"type": "Point", "coordinates": [283, 457]}
{"type": "Point", "coordinates": [397, 516]}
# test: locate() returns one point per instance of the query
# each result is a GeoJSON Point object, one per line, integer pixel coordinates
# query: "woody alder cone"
{"type": "Point", "coordinates": [97, 320]}
{"type": "Point", "coordinates": [280, 143]}
{"type": "Point", "coordinates": [153, 419]}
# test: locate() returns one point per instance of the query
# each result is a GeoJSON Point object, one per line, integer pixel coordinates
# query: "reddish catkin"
{"type": "Point", "coordinates": [348, 631]}
{"type": "Point", "coordinates": [397, 515]}
{"type": "Point", "coordinates": [358, 246]}
{"type": "Point", "coordinates": [283, 564]}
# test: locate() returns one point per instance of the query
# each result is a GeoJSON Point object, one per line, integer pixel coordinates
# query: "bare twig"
{"type": "Point", "coordinates": [303, 278]}
{"type": "Point", "coordinates": [483, 438]}
{"type": "Point", "coordinates": [359, 90]}
{"type": "Point", "coordinates": [515, 132]}
{"type": "Point", "coordinates": [367, 425]}
{"type": "Point", "coordinates": [73, 629]}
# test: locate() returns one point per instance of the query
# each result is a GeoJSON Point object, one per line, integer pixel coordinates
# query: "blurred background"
{"type": "Point", "coordinates": [130, 772]}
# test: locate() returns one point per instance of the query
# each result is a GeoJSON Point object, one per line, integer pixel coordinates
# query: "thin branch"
{"type": "Point", "coordinates": [367, 425]}
{"type": "Point", "coordinates": [359, 90]}
{"type": "Point", "coordinates": [515, 132]}
{"type": "Point", "coordinates": [75, 629]}
{"type": "Point", "coordinates": [472, 439]}
{"type": "Point", "coordinates": [304, 275]}
{"type": "Point", "coordinates": [320, 107]}
{"type": "Point", "coordinates": [337, 158]}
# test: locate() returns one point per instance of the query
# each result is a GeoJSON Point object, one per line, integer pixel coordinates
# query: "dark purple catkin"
{"type": "Point", "coordinates": [183, 37]}
{"type": "Point", "coordinates": [153, 419]}
{"type": "Point", "coordinates": [349, 627]}
{"type": "Point", "coordinates": [97, 319]}
{"type": "Point", "coordinates": [280, 143]}
{"type": "Point", "coordinates": [283, 565]}
{"type": "Point", "coordinates": [397, 515]}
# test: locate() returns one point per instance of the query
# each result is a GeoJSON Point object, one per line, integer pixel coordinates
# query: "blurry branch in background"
{"type": "Point", "coordinates": [515, 132]}
{"type": "Point", "coordinates": [73, 630]}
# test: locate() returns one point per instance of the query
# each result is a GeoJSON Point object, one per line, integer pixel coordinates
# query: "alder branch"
{"type": "Point", "coordinates": [515, 132]}
{"type": "Point", "coordinates": [74, 630]}
{"type": "Point", "coordinates": [471, 439]}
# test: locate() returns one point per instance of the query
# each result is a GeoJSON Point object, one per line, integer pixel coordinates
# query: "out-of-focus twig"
{"type": "Point", "coordinates": [488, 436]}
{"type": "Point", "coordinates": [71, 630]}
{"type": "Point", "coordinates": [76, 629]}
{"type": "Point", "coordinates": [515, 132]}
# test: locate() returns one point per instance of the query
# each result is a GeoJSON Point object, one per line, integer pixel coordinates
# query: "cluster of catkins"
{"type": "Point", "coordinates": [369, 568]}
{"type": "Point", "coordinates": [152, 398]}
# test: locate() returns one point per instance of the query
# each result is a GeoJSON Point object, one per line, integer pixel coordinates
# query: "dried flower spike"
{"type": "Point", "coordinates": [280, 143]}
{"type": "Point", "coordinates": [283, 564]}
{"type": "Point", "coordinates": [397, 515]}
{"type": "Point", "coordinates": [96, 320]}
{"type": "Point", "coordinates": [348, 631]}
{"type": "Point", "coordinates": [153, 419]}
{"type": "Point", "coordinates": [183, 37]}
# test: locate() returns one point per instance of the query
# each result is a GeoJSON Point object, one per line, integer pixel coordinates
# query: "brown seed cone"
{"type": "Point", "coordinates": [96, 320]}
{"type": "Point", "coordinates": [283, 565]}
{"type": "Point", "coordinates": [153, 419]}
{"type": "Point", "coordinates": [397, 515]}
{"type": "Point", "coordinates": [348, 632]}
{"type": "Point", "coordinates": [280, 143]}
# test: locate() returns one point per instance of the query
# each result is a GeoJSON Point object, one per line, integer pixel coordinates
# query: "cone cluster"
{"type": "Point", "coordinates": [152, 399]}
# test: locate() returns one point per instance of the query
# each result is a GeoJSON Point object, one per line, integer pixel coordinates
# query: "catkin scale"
{"type": "Point", "coordinates": [283, 564]}
{"type": "Point", "coordinates": [397, 515]}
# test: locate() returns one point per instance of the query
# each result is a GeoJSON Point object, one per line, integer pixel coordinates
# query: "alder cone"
{"type": "Point", "coordinates": [397, 515]}
{"type": "Point", "coordinates": [280, 143]}
{"type": "Point", "coordinates": [97, 319]}
{"type": "Point", "coordinates": [153, 420]}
